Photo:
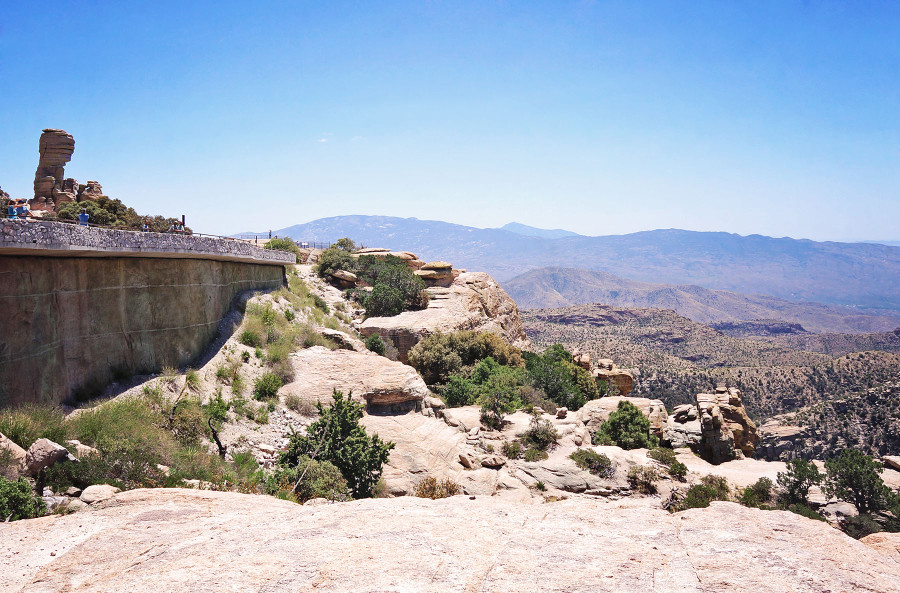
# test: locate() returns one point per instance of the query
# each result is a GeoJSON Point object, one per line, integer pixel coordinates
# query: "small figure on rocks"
{"type": "Point", "coordinates": [177, 227]}
{"type": "Point", "coordinates": [145, 227]}
{"type": "Point", "coordinates": [11, 210]}
{"type": "Point", "coordinates": [84, 217]}
{"type": "Point", "coordinates": [22, 210]}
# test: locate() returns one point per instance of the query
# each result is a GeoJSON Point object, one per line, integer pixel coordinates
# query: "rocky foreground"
{"type": "Point", "coordinates": [186, 540]}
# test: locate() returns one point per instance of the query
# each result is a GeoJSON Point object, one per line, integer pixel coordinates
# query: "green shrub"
{"type": "Point", "coordinates": [432, 488]}
{"type": "Point", "coordinates": [292, 401]}
{"type": "Point", "coordinates": [758, 495]}
{"type": "Point", "coordinates": [375, 344]}
{"type": "Point", "coordinates": [383, 301]}
{"type": "Point", "coordinates": [860, 526]}
{"type": "Point", "coordinates": [309, 479]}
{"type": "Point", "coordinates": [250, 338]}
{"type": "Point", "coordinates": [541, 434]}
{"type": "Point", "coordinates": [643, 478]}
{"type": "Point", "coordinates": [333, 259]}
{"type": "Point", "coordinates": [799, 476]}
{"type": "Point", "coordinates": [511, 449]}
{"type": "Point", "coordinates": [440, 355]}
{"type": "Point", "coordinates": [564, 382]}
{"type": "Point", "coordinates": [285, 244]}
{"type": "Point", "coordinates": [853, 476]}
{"type": "Point", "coordinates": [531, 454]}
{"type": "Point", "coordinates": [700, 495]}
{"type": "Point", "coordinates": [678, 471]}
{"type": "Point", "coordinates": [498, 397]}
{"type": "Point", "coordinates": [267, 386]}
{"type": "Point", "coordinates": [458, 391]}
{"type": "Point", "coordinates": [338, 438]}
{"type": "Point", "coordinates": [627, 428]}
{"type": "Point", "coordinates": [289, 314]}
{"type": "Point", "coordinates": [596, 463]}
{"type": "Point", "coordinates": [17, 501]}
{"type": "Point", "coordinates": [664, 455]}
{"type": "Point", "coordinates": [805, 511]}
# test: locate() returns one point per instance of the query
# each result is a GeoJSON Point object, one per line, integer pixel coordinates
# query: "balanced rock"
{"type": "Point", "coordinates": [472, 301]}
{"type": "Point", "coordinates": [43, 453]}
{"type": "Point", "coordinates": [15, 457]}
{"type": "Point", "coordinates": [372, 379]}
{"type": "Point", "coordinates": [56, 148]}
{"type": "Point", "coordinates": [597, 411]}
{"type": "Point", "coordinates": [734, 416]}
{"type": "Point", "coordinates": [683, 427]}
{"type": "Point", "coordinates": [344, 279]}
{"type": "Point", "coordinates": [92, 190]}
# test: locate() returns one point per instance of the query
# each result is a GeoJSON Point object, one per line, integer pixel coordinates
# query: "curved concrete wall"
{"type": "Point", "coordinates": [67, 324]}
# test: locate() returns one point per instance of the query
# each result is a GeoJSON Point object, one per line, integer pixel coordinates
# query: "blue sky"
{"type": "Point", "coordinates": [779, 118]}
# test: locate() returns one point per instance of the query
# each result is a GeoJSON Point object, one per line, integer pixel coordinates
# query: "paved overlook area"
{"type": "Point", "coordinates": [57, 239]}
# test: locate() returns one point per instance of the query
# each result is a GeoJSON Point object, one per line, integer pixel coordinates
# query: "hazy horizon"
{"type": "Point", "coordinates": [771, 118]}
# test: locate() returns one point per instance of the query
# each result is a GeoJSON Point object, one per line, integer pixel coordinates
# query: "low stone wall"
{"type": "Point", "coordinates": [61, 240]}
{"type": "Point", "coordinates": [84, 305]}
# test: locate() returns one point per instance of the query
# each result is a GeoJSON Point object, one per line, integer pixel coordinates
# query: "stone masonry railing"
{"type": "Point", "coordinates": [61, 239]}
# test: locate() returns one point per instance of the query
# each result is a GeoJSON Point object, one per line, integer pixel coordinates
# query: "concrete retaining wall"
{"type": "Point", "coordinates": [69, 323]}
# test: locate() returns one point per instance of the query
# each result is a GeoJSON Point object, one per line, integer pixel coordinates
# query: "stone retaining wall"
{"type": "Point", "coordinates": [61, 239]}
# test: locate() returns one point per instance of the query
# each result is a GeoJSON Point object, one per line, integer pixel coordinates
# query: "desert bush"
{"type": "Point", "coordinates": [627, 428]}
{"type": "Point", "coordinates": [860, 526]}
{"type": "Point", "coordinates": [664, 455]}
{"type": "Point", "coordinates": [700, 495]}
{"type": "Point", "coordinates": [596, 463]}
{"type": "Point", "coordinates": [805, 511]}
{"type": "Point", "coordinates": [678, 471]}
{"type": "Point", "coordinates": [532, 398]}
{"type": "Point", "coordinates": [250, 338]}
{"type": "Point", "coordinates": [532, 454]}
{"type": "Point", "coordinates": [375, 344]}
{"type": "Point", "coordinates": [441, 355]}
{"type": "Point", "coordinates": [337, 437]}
{"type": "Point", "coordinates": [799, 476]}
{"type": "Point", "coordinates": [285, 244]}
{"type": "Point", "coordinates": [541, 434]}
{"type": "Point", "coordinates": [853, 476]}
{"type": "Point", "coordinates": [511, 449]}
{"type": "Point", "coordinates": [758, 495]}
{"type": "Point", "coordinates": [564, 382]}
{"type": "Point", "coordinates": [498, 397]}
{"type": "Point", "coordinates": [333, 259]}
{"type": "Point", "coordinates": [458, 391]}
{"type": "Point", "coordinates": [17, 501]}
{"type": "Point", "coordinates": [430, 487]}
{"type": "Point", "coordinates": [309, 479]}
{"type": "Point", "coordinates": [266, 386]}
{"type": "Point", "coordinates": [25, 424]}
{"type": "Point", "coordinates": [292, 401]}
{"type": "Point", "coordinates": [643, 478]}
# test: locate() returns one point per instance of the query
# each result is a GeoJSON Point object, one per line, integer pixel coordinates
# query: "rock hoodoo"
{"type": "Point", "coordinates": [51, 188]}
{"type": "Point", "coordinates": [717, 427]}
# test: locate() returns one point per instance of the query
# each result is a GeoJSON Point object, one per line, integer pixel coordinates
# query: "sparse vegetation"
{"type": "Point", "coordinates": [758, 495]}
{"type": "Point", "coordinates": [799, 476]}
{"type": "Point", "coordinates": [643, 478]}
{"type": "Point", "coordinates": [627, 428]}
{"type": "Point", "coordinates": [430, 487]}
{"type": "Point", "coordinates": [699, 496]}
{"type": "Point", "coordinates": [17, 501]}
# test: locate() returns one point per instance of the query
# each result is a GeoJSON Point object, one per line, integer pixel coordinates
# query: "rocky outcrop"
{"type": "Point", "coordinates": [717, 428]}
{"type": "Point", "coordinates": [412, 261]}
{"type": "Point", "coordinates": [89, 191]}
{"type": "Point", "coordinates": [606, 370]}
{"type": "Point", "coordinates": [195, 540]}
{"type": "Point", "coordinates": [43, 453]}
{"type": "Point", "coordinates": [597, 411]}
{"type": "Point", "coordinates": [372, 379]}
{"type": "Point", "coordinates": [473, 301]}
{"type": "Point", "coordinates": [56, 148]}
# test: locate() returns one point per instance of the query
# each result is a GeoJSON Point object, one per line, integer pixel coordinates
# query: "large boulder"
{"type": "Point", "coordinates": [373, 379]}
{"type": "Point", "coordinates": [620, 378]}
{"type": "Point", "coordinates": [683, 427]}
{"type": "Point", "coordinates": [43, 453]}
{"type": "Point", "coordinates": [717, 428]}
{"type": "Point", "coordinates": [597, 411]}
{"type": "Point", "coordinates": [259, 543]}
{"type": "Point", "coordinates": [12, 459]}
{"type": "Point", "coordinates": [734, 417]}
{"type": "Point", "coordinates": [56, 148]}
{"type": "Point", "coordinates": [473, 301]}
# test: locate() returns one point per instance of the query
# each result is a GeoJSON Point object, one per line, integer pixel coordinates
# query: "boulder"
{"type": "Point", "coordinates": [98, 493]}
{"type": "Point", "coordinates": [473, 301]}
{"type": "Point", "coordinates": [683, 427]}
{"type": "Point", "coordinates": [344, 279]}
{"type": "Point", "coordinates": [734, 417]}
{"type": "Point", "coordinates": [372, 379]}
{"type": "Point", "coordinates": [440, 266]}
{"type": "Point", "coordinates": [91, 190]}
{"type": "Point", "coordinates": [597, 411]}
{"type": "Point", "coordinates": [891, 461]}
{"type": "Point", "coordinates": [43, 453]}
{"type": "Point", "coordinates": [81, 450]}
{"type": "Point", "coordinates": [717, 428]}
{"type": "Point", "coordinates": [620, 378]}
{"type": "Point", "coordinates": [343, 339]}
{"type": "Point", "coordinates": [12, 459]}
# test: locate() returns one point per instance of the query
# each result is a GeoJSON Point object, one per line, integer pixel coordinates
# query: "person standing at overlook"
{"type": "Point", "coordinates": [11, 210]}
{"type": "Point", "coordinates": [84, 217]}
{"type": "Point", "coordinates": [22, 210]}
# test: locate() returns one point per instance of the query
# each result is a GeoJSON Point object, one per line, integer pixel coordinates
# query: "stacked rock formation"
{"type": "Point", "coordinates": [605, 370]}
{"type": "Point", "coordinates": [89, 191]}
{"type": "Point", "coordinates": [51, 188]}
{"type": "Point", "coordinates": [717, 427]}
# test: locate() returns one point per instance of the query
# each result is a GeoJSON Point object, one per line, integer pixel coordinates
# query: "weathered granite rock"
{"type": "Point", "coordinates": [373, 379]}
{"type": "Point", "coordinates": [98, 493]}
{"type": "Point", "coordinates": [344, 279]}
{"type": "Point", "coordinates": [56, 148]}
{"type": "Point", "coordinates": [683, 427]}
{"type": "Point", "coordinates": [82, 450]}
{"type": "Point", "coordinates": [43, 453]}
{"type": "Point", "coordinates": [718, 428]}
{"type": "Point", "coordinates": [891, 461]}
{"type": "Point", "coordinates": [886, 543]}
{"type": "Point", "coordinates": [473, 301]}
{"type": "Point", "coordinates": [734, 417]}
{"type": "Point", "coordinates": [597, 411]}
{"type": "Point", "coordinates": [781, 440]}
{"type": "Point", "coordinates": [14, 455]}
{"type": "Point", "coordinates": [343, 340]}
{"type": "Point", "coordinates": [622, 379]}
{"type": "Point", "coordinates": [193, 540]}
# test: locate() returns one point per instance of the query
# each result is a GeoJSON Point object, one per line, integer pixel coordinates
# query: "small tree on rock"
{"type": "Point", "coordinates": [799, 477]}
{"type": "Point", "coordinates": [627, 427]}
{"type": "Point", "coordinates": [853, 476]}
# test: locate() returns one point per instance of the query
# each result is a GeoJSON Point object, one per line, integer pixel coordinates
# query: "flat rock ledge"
{"type": "Point", "coordinates": [187, 540]}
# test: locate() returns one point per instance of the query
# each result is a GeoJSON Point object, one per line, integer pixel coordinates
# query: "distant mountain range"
{"type": "Point", "coordinates": [530, 231]}
{"type": "Point", "coordinates": [857, 274]}
{"type": "Point", "coordinates": [563, 287]}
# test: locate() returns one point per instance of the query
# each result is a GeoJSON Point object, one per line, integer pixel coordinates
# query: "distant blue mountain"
{"type": "Point", "coordinates": [857, 274]}
{"type": "Point", "coordinates": [530, 231]}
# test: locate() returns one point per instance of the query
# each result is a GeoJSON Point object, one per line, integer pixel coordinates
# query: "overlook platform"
{"type": "Point", "coordinates": [58, 239]}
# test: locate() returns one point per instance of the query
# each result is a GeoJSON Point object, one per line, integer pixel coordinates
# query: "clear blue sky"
{"type": "Point", "coordinates": [780, 118]}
